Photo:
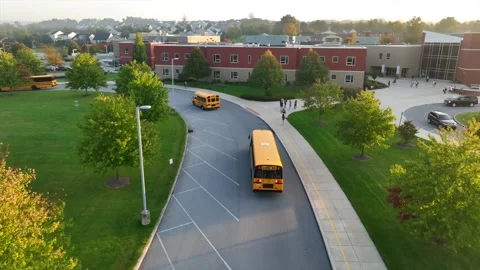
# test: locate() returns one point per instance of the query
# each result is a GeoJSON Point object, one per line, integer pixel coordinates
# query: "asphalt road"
{"type": "Point", "coordinates": [215, 220]}
{"type": "Point", "coordinates": [418, 114]}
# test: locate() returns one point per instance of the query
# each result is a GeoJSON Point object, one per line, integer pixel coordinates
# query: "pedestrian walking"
{"type": "Point", "coordinates": [290, 103]}
{"type": "Point", "coordinates": [434, 83]}
{"type": "Point", "coordinates": [185, 84]}
{"type": "Point", "coordinates": [295, 104]}
{"type": "Point", "coordinates": [388, 83]}
{"type": "Point", "coordinates": [281, 104]}
{"type": "Point", "coordinates": [444, 90]}
{"type": "Point", "coordinates": [283, 118]}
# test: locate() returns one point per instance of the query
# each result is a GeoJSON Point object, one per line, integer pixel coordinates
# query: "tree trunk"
{"type": "Point", "coordinates": [11, 91]}
{"type": "Point", "coordinates": [86, 92]}
{"type": "Point", "coordinates": [363, 151]}
{"type": "Point", "coordinates": [118, 174]}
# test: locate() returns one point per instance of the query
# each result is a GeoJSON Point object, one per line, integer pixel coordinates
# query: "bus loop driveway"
{"type": "Point", "coordinates": [214, 219]}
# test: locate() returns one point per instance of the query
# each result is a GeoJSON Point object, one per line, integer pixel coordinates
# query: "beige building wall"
{"type": "Point", "coordinates": [405, 56]}
{"type": "Point", "coordinates": [346, 79]}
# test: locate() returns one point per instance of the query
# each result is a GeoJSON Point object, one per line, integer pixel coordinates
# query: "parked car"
{"type": "Point", "coordinates": [63, 68]}
{"type": "Point", "coordinates": [51, 68]}
{"type": "Point", "coordinates": [441, 120]}
{"type": "Point", "coordinates": [461, 101]}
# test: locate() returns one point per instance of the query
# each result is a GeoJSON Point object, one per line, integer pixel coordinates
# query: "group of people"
{"type": "Point", "coordinates": [283, 106]}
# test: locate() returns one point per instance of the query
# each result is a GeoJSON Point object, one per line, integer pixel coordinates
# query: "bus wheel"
{"type": "Point", "coordinates": [34, 87]}
{"type": "Point", "coordinates": [203, 108]}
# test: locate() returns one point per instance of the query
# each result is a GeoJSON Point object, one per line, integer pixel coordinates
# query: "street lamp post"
{"type": "Point", "coordinates": [145, 213]}
{"type": "Point", "coordinates": [173, 75]}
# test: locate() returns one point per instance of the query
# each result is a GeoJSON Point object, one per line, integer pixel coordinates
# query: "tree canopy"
{"type": "Point", "coordinates": [53, 56]}
{"type": "Point", "coordinates": [109, 135]}
{"type": "Point", "coordinates": [196, 67]}
{"type": "Point", "coordinates": [312, 69]}
{"type": "Point", "coordinates": [139, 50]}
{"type": "Point", "coordinates": [10, 75]}
{"type": "Point", "coordinates": [126, 75]}
{"type": "Point", "coordinates": [414, 30]}
{"type": "Point", "coordinates": [322, 97]}
{"type": "Point", "coordinates": [436, 194]}
{"type": "Point", "coordinates": [30, 61]}
{"type": "Point", "coordinates": [364, 124]}
{"type": "Point", "coordinates": [267, 73]}
{"type": "Point", "coordinates": [407, 131]}
{"type": "Point", "coordinates": [32, 227]}
{"type": "Point", "coordinates": [85, 73]}
{"type": "Point", "coordinates": [234, 33]}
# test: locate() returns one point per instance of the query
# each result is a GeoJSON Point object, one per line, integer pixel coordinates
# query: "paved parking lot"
{"type": "Point", "coordinates": [215, 220]}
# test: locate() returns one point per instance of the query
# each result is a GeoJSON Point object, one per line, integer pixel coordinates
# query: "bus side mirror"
{"type": "Point", "coordinates": [249, 137]}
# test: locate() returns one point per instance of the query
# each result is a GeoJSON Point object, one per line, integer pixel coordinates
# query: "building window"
{"type": "Point", "coordinates": [233, 75]}
{"type": "Point", "coordinates": [216, 58]}
{"type": "Point", "coordinates": [126, 50]}
{"type": "Point", "coordinates": [249, 59]}
{"type": "Point", "coordinates": [176, 55]}
{"type": "Point", "coordinates": [284, 59]}
{"type": "Point", "coordinates": [166, 72]}
{"type": "Point", "coordinates": [380, 56]}
{"type": "Point", "coordinates": [335, 59]}
{"type": "Point", "coordinates": [322, 58]}
{"type": "Point", "coordinates": [286, 77]}
{"type": "Point", "coordinates": [388, 56]}
{"type": "Point", "coordinates": [333, 76]}
{"type": "Point", "coordinates": [164, 56]}
{"type": "Point", "coordinates": [348, 78]}
{"type": "Point", "coordinates": [351, 60]}
{"type": "Point", "coordinates": [234, 58]}
{"type": "Point", "coordinates": [216, 74]}
{"type": "Point", "coordinates": [177, 71]}
{"type": "Point", "coordinates": [187, 55]}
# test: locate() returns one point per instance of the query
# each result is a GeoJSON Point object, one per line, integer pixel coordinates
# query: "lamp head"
{"type": "Point", "coordinates": [145, 107]}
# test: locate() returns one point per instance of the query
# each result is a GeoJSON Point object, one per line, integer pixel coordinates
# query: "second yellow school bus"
{"type": "Point", "coordinates": [206, 100]}
{"type": "Point", "coordinates": [35, 83]}
{"type": "Point", "coordinates": [266, 166]}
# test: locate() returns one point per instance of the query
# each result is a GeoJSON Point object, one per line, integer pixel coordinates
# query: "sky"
{"type": "Point", "coordinates": [428, 10]}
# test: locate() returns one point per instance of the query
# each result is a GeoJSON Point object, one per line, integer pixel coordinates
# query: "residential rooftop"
{"type": "Point", "coordinates": [241, 45]}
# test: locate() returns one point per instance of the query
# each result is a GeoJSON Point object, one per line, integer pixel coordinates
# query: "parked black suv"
{"type": "Point", "coordinates": [461, 101]}
{"type": "Point", "coordinates": [441, 120]}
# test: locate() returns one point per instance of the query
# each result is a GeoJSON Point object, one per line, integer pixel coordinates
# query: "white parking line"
{"type": "Point", "coordinates": [188, 190]}
{"type": "Point", "coordinates": [204, 236]}
{"type": "Point", "coordinates": [194, 165]}
{"type": "Point", "coordinates": [214, 168]}
{"type": "Point", "coordinates": [176, 227]}
{"type": "Point", "coordinates": [214, 148]}
{"type": "Point", "coordinates": [165, 250]}
{"type": "Point", "coordinates": [213, 122]}
{"type": "Point", "coordinates": [216, 134]}
{"type": "Point", "coordinates": [223, 206]}
{"type": "Point", "coordinates": [197, 146]}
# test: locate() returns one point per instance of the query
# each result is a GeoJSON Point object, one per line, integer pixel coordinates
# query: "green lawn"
{"type": "Point", "coordinates": [41, 131]}
{"type": "Point", "coordinates": [111, 76]}
{"type": "Point", "coordinates": [246, 91]}
{"type": "Point", "coordinates": [364, 183]}
{"type": "Point", "coordinates": [463, 118]}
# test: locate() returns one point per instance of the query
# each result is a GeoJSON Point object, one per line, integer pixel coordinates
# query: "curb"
{"type": "Point", "coordinates": [458, 122]}
{"type": "Point", "coordinates": [330, 255]}
{"type": "Point", "coordinates": [154, 231]}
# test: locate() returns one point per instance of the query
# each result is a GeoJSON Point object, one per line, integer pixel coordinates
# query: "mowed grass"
{"type": "Point", "coordinates": [240, 90]}
{"type": "Point", "coordinates": [463, 118]}
{"type": "Point", "coordinates": [111, 76]}
{"type": "Point", "coordinates": [365, 183]}
{"type": "Point", "coordinates": [40, 129]}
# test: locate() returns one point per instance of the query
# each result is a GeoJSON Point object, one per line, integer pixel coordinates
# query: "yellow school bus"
{"type": "Point", "coordinates": [266, 164]}
{"type": "Point", "coordinates": [35, 83]}
{"type": "Point", "coordinates": [206, 100]}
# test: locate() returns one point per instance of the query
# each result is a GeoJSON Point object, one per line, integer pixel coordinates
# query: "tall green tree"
{"type": "Point", "coordinates": [436, 194]}
{"type": "Point", "coordinates": [312, 69]}
{"type": "Point", "coordinates": [414, 30]}
{"type": "Point", "coordinates": [364, 124]}
{"type": "Point", "coordinates": [147, 89]}
{"type": "Point", "coordinates": [139, 50]}
{"type": "Point", "coordinates": [109, 135]}
{"type": "Point", "coordinates": [322, 97]}
{"type": "Point", "coordinates": [267, 73]}
{"type": "Point", "coordinates": [196, 67]}
{"type": "Point", "coordinates": [30, 61]}
{"type": "Point", "coordinates": [448, 25]}
{"type": "Point", "coordinates": [407, 131]}
{"type": "Point", "coordinates": [32, 227]}
{"type": "Point", "coordinates": [85, 73]}
{"type": "Point", "coordinates": [126, 75]}
{"type": "Point", "coordinates": [10, 75]}
{"type": "Point", "coordinates": [234, 33]}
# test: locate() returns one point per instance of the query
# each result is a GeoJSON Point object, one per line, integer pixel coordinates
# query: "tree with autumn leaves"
{"type": "Point", "coordinates": [32, 234]}
{"type": "Point", "coordinates": [436, 194]}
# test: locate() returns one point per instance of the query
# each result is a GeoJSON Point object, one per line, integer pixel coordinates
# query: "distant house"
{"type": "Point", "coordinates": [83, 37]}
{"type": "Point", "coordinates": [55, 34]}
{"type": "Point", "coordinates": [66, 36]}
{"type": "Point", "coordinates": [102, 38]}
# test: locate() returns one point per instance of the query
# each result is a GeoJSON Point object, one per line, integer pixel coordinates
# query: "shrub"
{"type": "Point", "coordinates": [226, 82]}
{"type": "Point", "coordinates": [287, 83]}
{"type": "Point", "coordinates": [347, 93]}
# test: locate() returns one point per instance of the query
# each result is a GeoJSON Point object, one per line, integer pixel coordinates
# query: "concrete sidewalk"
{"type": "Point", "coordinates": [348, 244]}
